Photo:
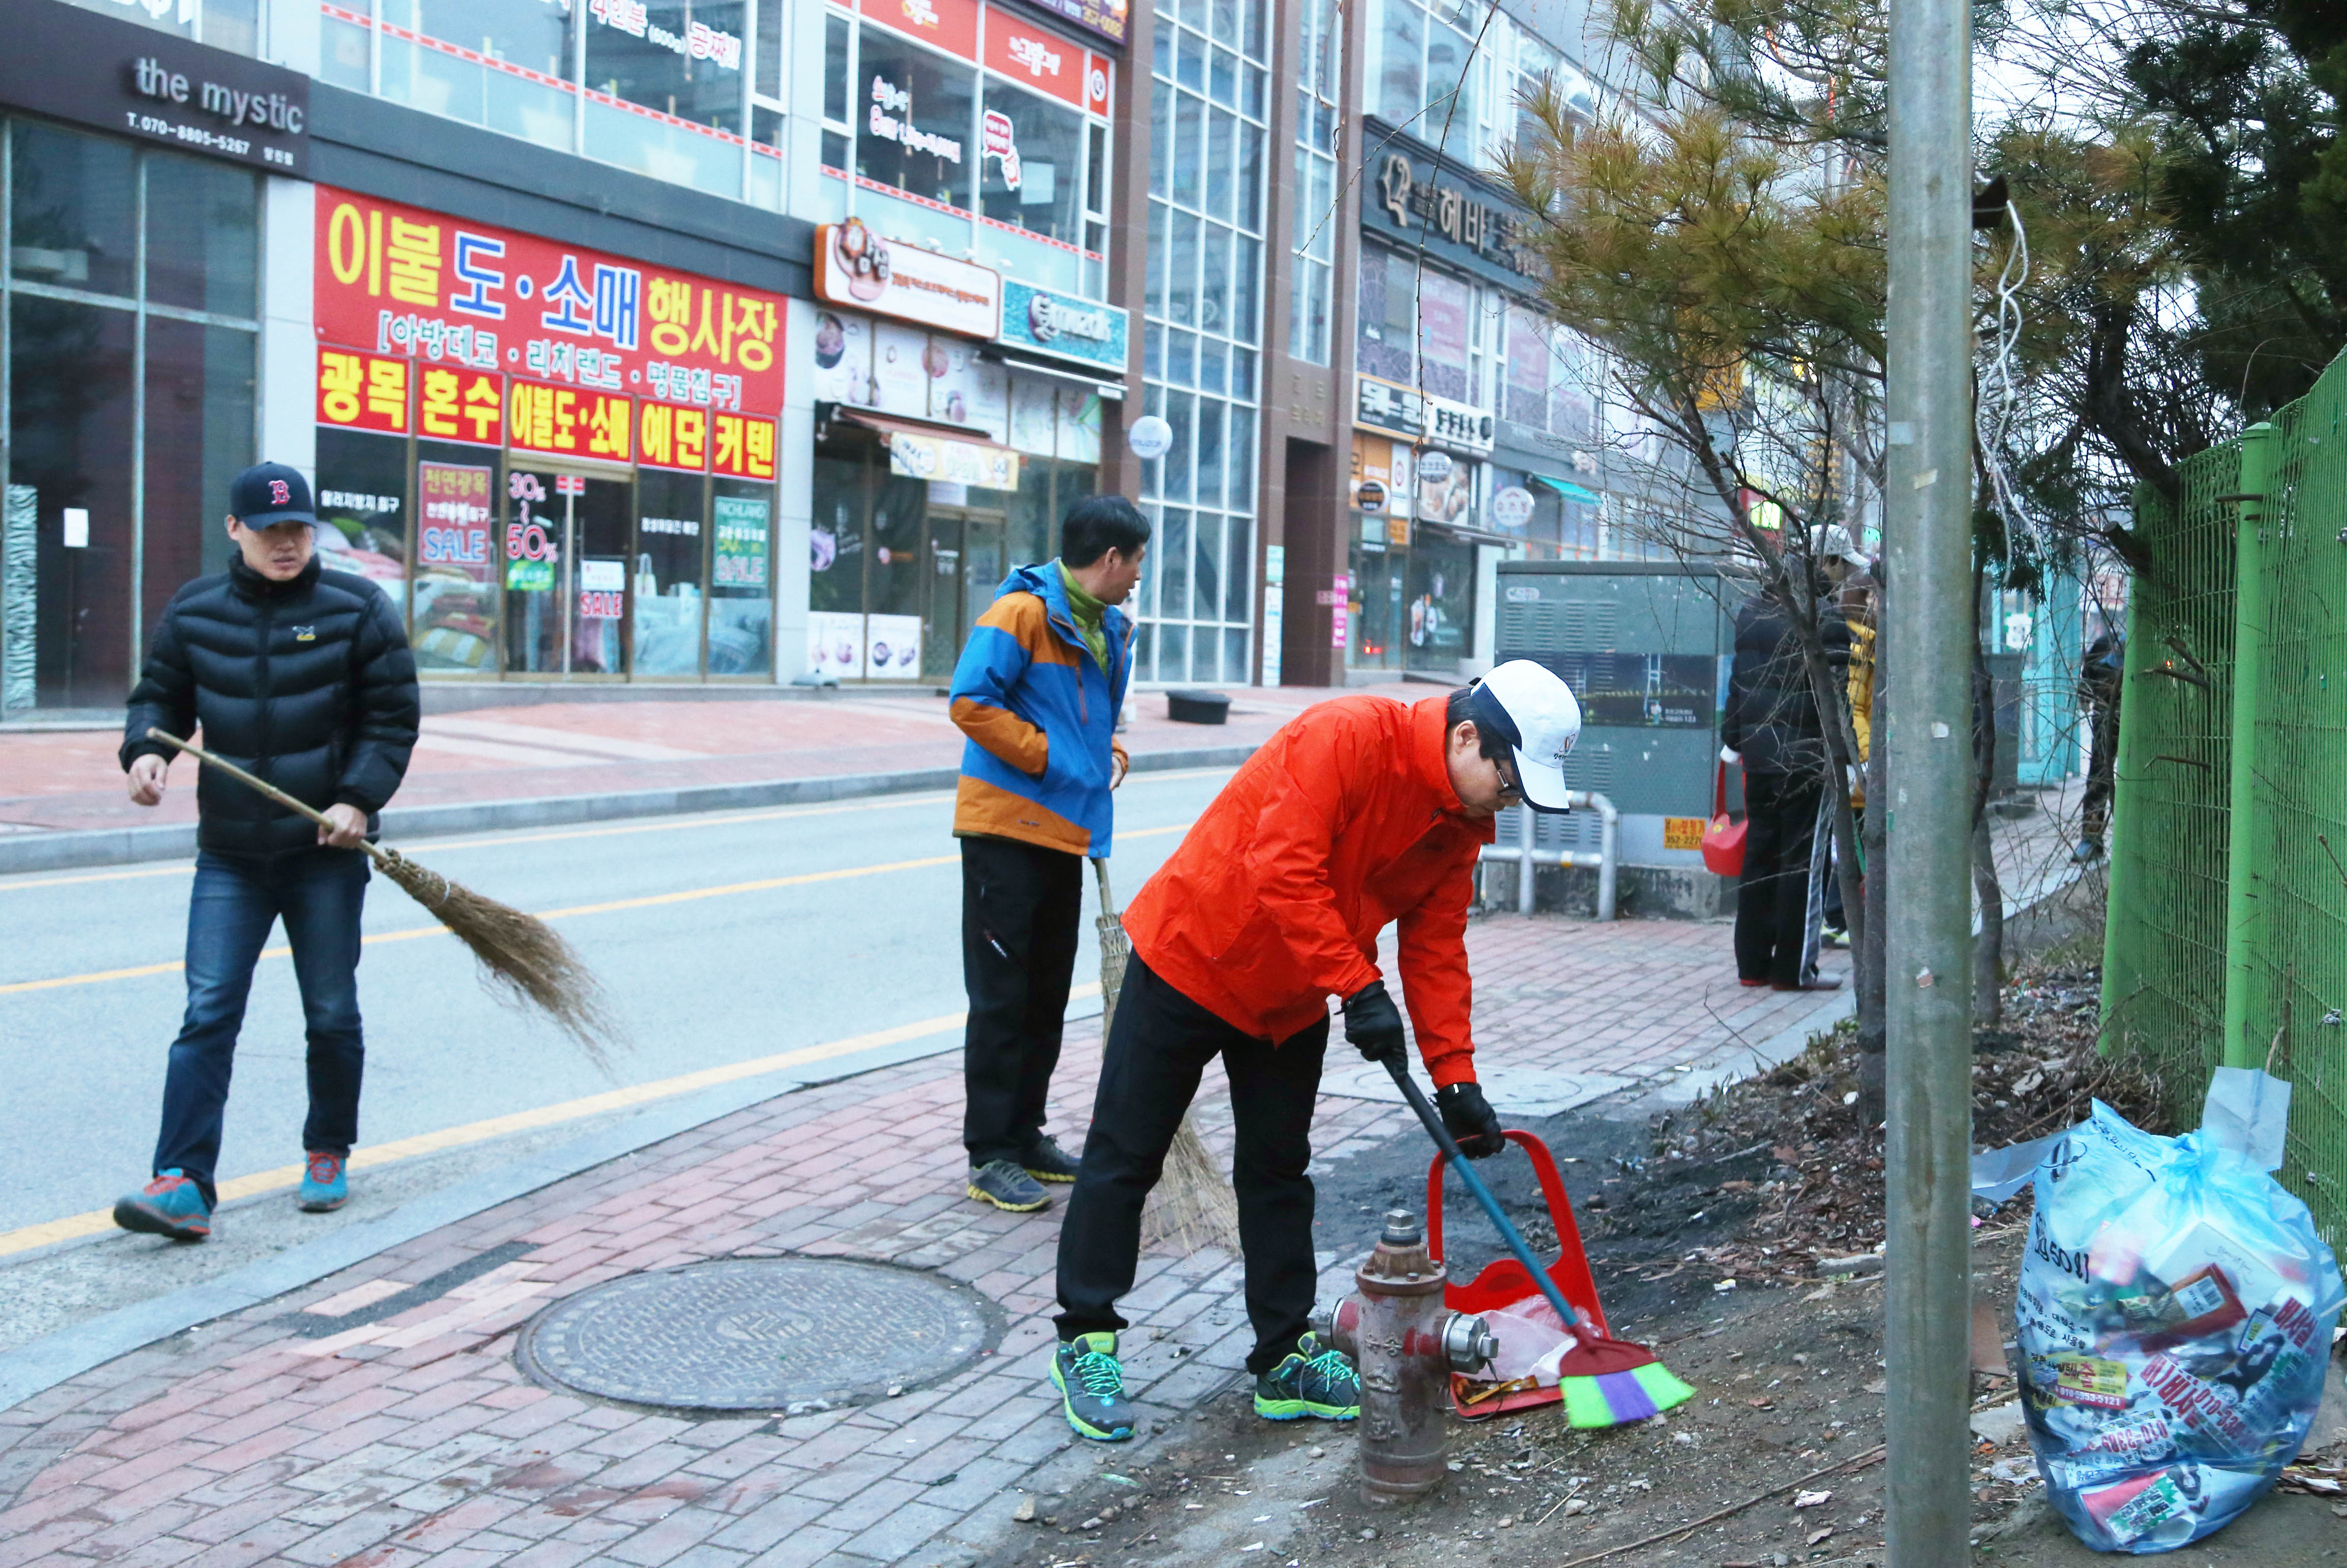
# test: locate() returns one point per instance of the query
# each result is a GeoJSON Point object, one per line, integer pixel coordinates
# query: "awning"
{"type": "Point", "coordinates": [1567, 488]}
{"type": "Point", "coordinates": [945, 453]}
{"type": "Point", "coordinates": [1097, 379]}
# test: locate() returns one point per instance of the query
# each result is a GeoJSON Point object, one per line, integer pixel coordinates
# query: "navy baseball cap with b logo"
{"type": "Point", "coordinates": [270, 492]}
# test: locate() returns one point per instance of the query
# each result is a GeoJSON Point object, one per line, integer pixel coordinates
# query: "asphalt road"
{"type": "Point", "coordinates": [710, 962]}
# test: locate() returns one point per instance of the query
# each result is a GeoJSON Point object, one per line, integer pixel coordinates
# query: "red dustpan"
{"type": "Point", "coordinates": [1606, 1381]}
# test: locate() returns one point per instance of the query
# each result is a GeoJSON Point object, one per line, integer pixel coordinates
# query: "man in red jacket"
{"type": "Point", "coordinates": [1358, 813]}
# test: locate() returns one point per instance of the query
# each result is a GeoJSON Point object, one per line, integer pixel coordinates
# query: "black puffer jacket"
{"type": "Point", "coordinates": [1772, 712]}
{"type": "Point", "coordinates": [308, 684]}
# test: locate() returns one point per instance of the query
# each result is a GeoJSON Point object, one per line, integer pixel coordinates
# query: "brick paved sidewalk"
{"type": "Point", "coordinates": [272, 1435]}
{"type": "Point", "coordinates": [62, 781]}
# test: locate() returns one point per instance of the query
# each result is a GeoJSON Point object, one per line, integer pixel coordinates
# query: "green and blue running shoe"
{"type": "Point", "coordinates": [171, 1205]}
{"type": "Point", "coordinates": [1091, 1388]}
{"type": "Point", "coordinates": [1310, 1380]}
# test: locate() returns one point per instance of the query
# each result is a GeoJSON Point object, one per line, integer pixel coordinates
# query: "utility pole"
{"type": "Point", "coordinates": [1929, 624]}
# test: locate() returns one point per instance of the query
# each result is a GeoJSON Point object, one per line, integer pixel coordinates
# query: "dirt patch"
{"type": "Point", "coordinates": [1756, 1184]}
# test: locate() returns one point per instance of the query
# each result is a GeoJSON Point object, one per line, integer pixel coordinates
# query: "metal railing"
{"type": "Point", "coordinates": [1525, 856]}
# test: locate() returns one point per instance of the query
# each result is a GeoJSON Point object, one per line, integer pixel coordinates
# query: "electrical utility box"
{"type": "Point", "coordinates": [1646, 647]}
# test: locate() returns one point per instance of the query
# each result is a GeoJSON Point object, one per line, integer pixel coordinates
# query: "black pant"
{"type": "Point", "coordinates": [2102, 767]}
{"type": "Point", "coordinates": [1157, 1049]}
{"type": "Point", "coordinates": [1020, 908]}
{"type": "Point", "coordinates": [1772, 901]}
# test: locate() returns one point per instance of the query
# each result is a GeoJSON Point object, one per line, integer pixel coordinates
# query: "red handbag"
{"type": "Point", "coordinates": [1723, 841]}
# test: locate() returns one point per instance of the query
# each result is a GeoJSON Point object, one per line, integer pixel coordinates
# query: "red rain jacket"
{"type": "Point", "coordinates": [1344, 821]}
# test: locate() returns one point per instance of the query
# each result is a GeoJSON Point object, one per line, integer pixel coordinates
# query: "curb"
{"type": "Point", "coordinates": [125, 846]}
{"type": "Point", "coordinates": [33, 1368]}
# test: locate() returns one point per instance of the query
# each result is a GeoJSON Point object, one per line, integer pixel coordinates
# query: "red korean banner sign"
{"type": "Point", "coordinates": [562, 422]}
{"type": "Point", "coordinates": [743, 446]}
{"type": "Point", "coordinates": [668, 436]}
{"type": "Point", "coordinates": [362, 392]}
{"type": "Point", "coordinates": [401, 282]}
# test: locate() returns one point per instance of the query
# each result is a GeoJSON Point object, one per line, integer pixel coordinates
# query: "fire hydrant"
{"type": "Point", "coordinates": [1406, 1344]}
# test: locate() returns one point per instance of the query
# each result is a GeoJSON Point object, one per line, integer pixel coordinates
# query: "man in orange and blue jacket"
{"type": "Point", "coordinates": [1036, 692]}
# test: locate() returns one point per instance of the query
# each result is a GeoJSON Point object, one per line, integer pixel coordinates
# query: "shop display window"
{"type": "Point", "coordinates": [741, 578]}
{"type": "Point", "coordinates": [1033, 154]}
{"type": "Point", "coordinates": [461, 559]}
{"type": "Point", "coordinates": [668, 573]}
{"type": "Point", "coordinates": [467, 59]}
{"type": "Point", "coordinates": [125, 422]}
{"type": "Point", "coordinates": [362, 511]}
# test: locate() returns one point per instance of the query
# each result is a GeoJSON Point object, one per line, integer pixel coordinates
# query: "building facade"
{"type": "Point", "coordinates": [670, 340]}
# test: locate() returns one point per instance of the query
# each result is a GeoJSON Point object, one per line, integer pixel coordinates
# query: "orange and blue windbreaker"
{"type": "Point", "coordinates": [1041, 715]}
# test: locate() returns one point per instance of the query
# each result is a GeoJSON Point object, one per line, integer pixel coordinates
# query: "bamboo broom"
{"type": "Point", "coordinates": [1192, 1204]}
{"type": "Point", "coordinates": [522, 958]}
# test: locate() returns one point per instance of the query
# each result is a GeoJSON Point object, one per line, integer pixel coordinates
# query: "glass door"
{"type": "Point", "coordinates": [965, 567]}
{"type": "Point", "coordinates": [565, 551]}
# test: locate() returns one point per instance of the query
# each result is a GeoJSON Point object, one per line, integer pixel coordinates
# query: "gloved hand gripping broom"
{"type": "Point", "coordinates": [519, 954]}
{"type": "Point", "coordinates": [1192, 1204]}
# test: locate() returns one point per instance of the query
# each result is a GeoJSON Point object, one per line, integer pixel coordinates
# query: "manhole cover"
{"type": "Point", "coordinates": [757, 1334]}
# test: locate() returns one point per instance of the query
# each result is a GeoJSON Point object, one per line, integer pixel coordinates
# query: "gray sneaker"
{"type": "Point", "coordinates": [1007, 1186]}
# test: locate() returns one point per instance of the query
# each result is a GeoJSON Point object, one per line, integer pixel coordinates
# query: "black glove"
{"type": "Point", "coordinates": [1373, 1023]}
{"type": "Point", "coordinates": [1471, 1120]}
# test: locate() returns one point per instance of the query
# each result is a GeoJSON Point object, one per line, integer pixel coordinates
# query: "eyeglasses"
{"type": "Point", "coordinates": [1510, 786]}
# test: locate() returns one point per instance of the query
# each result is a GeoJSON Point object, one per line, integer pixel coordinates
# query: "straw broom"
{"type": "Point", "coordinates": [1192, 1204]}
{"type": "Point", "coordinates": [521, 957]}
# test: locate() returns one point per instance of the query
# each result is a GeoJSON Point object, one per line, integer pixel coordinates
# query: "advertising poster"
{"type": "Point", "coordinates": [900, 372]}
{"type": "Point", "coordinates": [401, 280]}
{"type": "Point", "coordinates": [892, 647]}
{"type": "Point", "coordinates": [1034, 415]}
{"type": "Point", "coordinates": [456, 570]}
{"type": "Point", "coordinates": [836, 643]}
{"type": "Point", "coordinates": [743, 547]}
{"type": "Point", "coordinates": [1080, 426]}
{"type": "Point", "coordinates": [843, 358]}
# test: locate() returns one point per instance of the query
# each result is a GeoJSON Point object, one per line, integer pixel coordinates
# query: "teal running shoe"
{"type": "Point", "coordinates": [171, 1205]}
{"type": "Point", "coordinates": [1091, 1388]}
{"type": "Point", "coordinates": [1310, 1380]}
{"type": "Point", "coordinates": [325, 1186]}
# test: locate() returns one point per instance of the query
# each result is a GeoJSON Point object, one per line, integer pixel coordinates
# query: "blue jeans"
{"type": "Point", "coordinates": [319, 893]}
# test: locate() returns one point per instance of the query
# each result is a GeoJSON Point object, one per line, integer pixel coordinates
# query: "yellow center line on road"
{"type": "Point", "coordinates": [664, 825]}
{"type": "Point", "coordinates": [651, 900]}
{"type": "Point", "coordinates": [260, 1182]}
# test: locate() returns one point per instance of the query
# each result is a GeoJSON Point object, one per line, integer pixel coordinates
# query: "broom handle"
{"type": "Point", "coordinates": [1108, 904]}
{"type": "Point", "coordinates": [1419, 1102]}
{"type": "Point", "coordinates": [263, 785]}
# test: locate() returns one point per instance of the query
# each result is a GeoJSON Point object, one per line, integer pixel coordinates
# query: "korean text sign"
{"type": "Point", "coordinates": [399, 280]}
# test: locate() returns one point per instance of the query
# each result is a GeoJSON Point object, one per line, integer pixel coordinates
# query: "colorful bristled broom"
{"type": "Point", "coordinates": [1606, 1382]}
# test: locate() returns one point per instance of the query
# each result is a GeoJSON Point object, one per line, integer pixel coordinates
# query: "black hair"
{"type": "Point", "coordinates": [1460, 709]}
{"type": "Point", "coordinates": [1099, 523]}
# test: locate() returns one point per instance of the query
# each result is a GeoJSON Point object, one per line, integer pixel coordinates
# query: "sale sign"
{"type": "Point", "coordinates": [453, 501]}
{"type": "Point", "coordinates": [399, 280]}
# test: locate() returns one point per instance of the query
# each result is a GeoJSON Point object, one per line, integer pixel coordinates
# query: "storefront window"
{"type": "Point", "coordinates": [1389, 288]}
{"type": "Point", "coordinates": [231, 24]}
{"type": "Point", "coordinates": [741, 578]}
{"type": "Point", "coordinates": [667, 570]}
{"type": "Point", "coordinates": [683, 62]}
{"type": "Point", "coordinates": [73, 220]}
{"type": "Point", "coordinates": [362, 511]}
{"type": "Point", "coordinates": [82, 573]}
{"type": "Point", "coordinates": [914, 118]}
{"type": "Point", "coordinates": [463, 559]}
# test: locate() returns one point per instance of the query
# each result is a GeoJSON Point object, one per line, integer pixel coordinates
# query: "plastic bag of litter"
{"type": "Point", "coordinates": [2175, 1318]}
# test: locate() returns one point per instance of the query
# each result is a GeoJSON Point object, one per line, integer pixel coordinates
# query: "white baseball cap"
{"type": "Point", "coordinates": [1530, 707]}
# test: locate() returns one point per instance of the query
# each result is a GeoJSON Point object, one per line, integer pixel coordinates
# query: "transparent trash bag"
{"type": "Point", "coordinates": [2175, 1320]}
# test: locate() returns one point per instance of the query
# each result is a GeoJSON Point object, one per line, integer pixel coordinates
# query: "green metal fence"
{"type": "Point", "coordinates": [2227, 939]}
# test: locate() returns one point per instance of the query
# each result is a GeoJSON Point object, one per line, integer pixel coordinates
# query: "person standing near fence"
{"type": "Point", "coordinates": [303, 677]}
{"type": "Point", "coordinates": [2101, 685]}
{"type": "Point", "coordinates": [1037, 691]}
{"type": "Point", "coordinates": [1774, 730]}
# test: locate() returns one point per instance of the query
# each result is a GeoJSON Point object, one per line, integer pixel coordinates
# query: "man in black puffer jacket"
{"type": "Point", "coordinates": [305, 678]}
{"type": "Point", "coordinates": [1772, 726]}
